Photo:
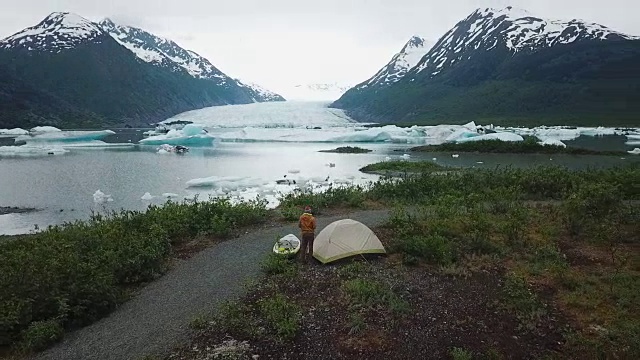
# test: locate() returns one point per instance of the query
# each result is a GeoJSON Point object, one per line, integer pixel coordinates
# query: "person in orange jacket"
{"type": "Point", "coordinates": [307, 225]}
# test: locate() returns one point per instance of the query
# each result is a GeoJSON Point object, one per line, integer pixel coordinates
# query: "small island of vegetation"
{"type": "Point", "coordinates": [348, 150]}
{"type": "Point", "coordinates": [530, 145]}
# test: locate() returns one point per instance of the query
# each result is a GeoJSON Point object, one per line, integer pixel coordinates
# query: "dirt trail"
{"type": "Point", "coordinates": [157, 319]}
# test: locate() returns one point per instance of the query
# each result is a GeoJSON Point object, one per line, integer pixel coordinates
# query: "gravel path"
{"type": "Point", "coordinates": [158, 318]}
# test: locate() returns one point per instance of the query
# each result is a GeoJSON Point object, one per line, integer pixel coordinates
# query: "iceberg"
{"type": "Point", "coordinates": [99, 197]}
{"type": "Point", "coordinates": [635, 151]}
{"type": "Point", "coordinates": [64, 136]}
{"type": "Point", "coordinates": [502, 136]}
{"type": "Point", "coordinates": [633, 137]}
{"type": "Point", "coordinates": [38, 130]}
{"type": "Point", "coordinates": [192, 135]}
{"type": "Point", "coordinates": [12, 132]}
{"type": "Point", "coordinates": [147, 197]}
{"type": "Point", "coordinates": [28, 150]}
{"type": "Point", "coordinates": [552, 142]}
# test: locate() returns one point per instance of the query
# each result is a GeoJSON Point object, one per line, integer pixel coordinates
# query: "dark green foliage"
{"type": "Point", "coordinates": [41, 334]}
{"type": "Point", "coordinates": [105, 82]}
{"type": "Point", "coordinates": [529, 146]}
{"type": "Point", "coordinates": [403, 166]}
{"type": "Point", "coordinates": [584, 83]}
{"type": "Point", "coordinates": [348, 150]}
{"type": "Point", "coordinates": [282, 316]}
{"type": "Point", "coordinates": [78, 272]}
{"type": "Point", "coordinates": [431, 248]}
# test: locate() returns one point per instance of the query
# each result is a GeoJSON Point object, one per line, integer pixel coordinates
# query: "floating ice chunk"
{"type": "Point", "coordinates": [191, 135]}
{"type": "Point", "coordinates": [147, 196]}
{"type": "Point", "coordinates": [552, 142]}
{"type": "Point", "coordinates": [405, 157]}
{"type": "Point", "coordinates": [294, 171]}
{"type": "Point", "coordinates": [455, 156]}
{"type": "Point", "coordinates": [29, 150]}
{"type": "Point", "coordinates": [14, 131]}
{"type": "Point", "coordinates": [598, 131]}
{"type": "Point", "coordinates": [635, 151]}
{"type": "Point", "coordinates": [64, 136]}
{"type": "Point", "coordinates": [170, 195]}
{"type": "Point", "coordinates": [479, 162]}
{"type": "Point", "coordinates": [502, 136]}
{"type": "Point", "coordinates": [94, 144]}
{"type": "Point", "coordinates": [163, 152]}
{"type": "Point", "coordinates": [332, 165]}
{"type": "Point", "coordinates": [99, 197]}
{"type": "Point", "coordinates": [435, 159]}
{"type": "Point", "coordinates": [633, 137]}
{"type": "Point", "coordinates": [461, 134]}
{"type": "Point", "coordinates": [43, 130]}
{"type": "Point", "coordinates": [387, 158]}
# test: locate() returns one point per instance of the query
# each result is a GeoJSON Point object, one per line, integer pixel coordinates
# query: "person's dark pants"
{"type": "Point", "coordinates": [306, 246]}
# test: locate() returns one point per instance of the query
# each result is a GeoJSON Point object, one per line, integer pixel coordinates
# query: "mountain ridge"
{"type": "Point", "coordinates": [81, 64]}
{"type": "Point", "coordinates": [510, 66]}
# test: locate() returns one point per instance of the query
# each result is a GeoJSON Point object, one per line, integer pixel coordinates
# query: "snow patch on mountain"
{"type": "Point", "coordinates": [164, 52]}
{"type": "Point", "coordinates": [58, 31]}
{"type": "Point", "coordinates": [514, 29]}
{"type": "Point", "coordinates": [258, 93]}
{"type": "Point", "coordinates": [401, 63]}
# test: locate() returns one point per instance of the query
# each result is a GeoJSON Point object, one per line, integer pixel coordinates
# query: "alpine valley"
{"type": "Point", "coordinates": [507, 66]}
{"type": "Point", "coordinates": [68, 72]}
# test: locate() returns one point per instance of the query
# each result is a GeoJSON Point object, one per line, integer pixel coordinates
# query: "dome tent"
{"type": "Point", "coordinates": [345, 238]}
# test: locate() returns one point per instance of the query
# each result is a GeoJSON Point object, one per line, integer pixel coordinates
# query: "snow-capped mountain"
{"type": "Point", "coordinates": [79, 73]}
{"type": "Point", "coordinates": [166, 53]}
{"type": "Point", "coordinates": [258, 93]}
{"type": "Point", "coordinates": [511, 29]}
{"type": "Point", "coordinates": [411, 53]}
{"type": "Point", "coordinates": [58, 31]}
{"type": "Point", "coordinates": [509, 64]}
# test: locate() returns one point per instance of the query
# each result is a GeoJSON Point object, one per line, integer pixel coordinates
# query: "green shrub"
{"type": "Point", "coordinates": [78, 272]}
{"type": "Point", "coordinates": [282, 315]}
{"type": "Point", "coordinates": [519, 299]}
{"type": "Point", "coordinates": [432, 248]}
{"type": "Point", "coordinates": [41, 334]}
{"type": "Point", "coordinates": [276, 264]}
{"type": "Point", "coordinates": [369, 293]}
{"type": "Point", "coordinates": [461, 354]}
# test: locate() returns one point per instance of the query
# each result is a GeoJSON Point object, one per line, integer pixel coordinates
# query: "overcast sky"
{"type": "Point", "coordinates": [280, 43]}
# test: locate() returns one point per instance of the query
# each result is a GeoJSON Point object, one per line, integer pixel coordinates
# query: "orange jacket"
{"type": "Point", "coordinates": [307, 223]}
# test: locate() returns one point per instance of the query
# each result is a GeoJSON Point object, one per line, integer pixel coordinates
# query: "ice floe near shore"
{"type": "Point", "coordinates": [59, 136]}
{"type": "Point", "coordinates": [189, 135]}
{"type": "Point", "coordinates": [26, 150]}
{"type": "Point", "coordinates": [552, 142]}
{"type": "Point", "coordinates": [13, 132]}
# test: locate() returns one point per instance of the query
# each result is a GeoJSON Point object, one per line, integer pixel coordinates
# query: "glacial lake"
{"type": "Point", "coordinates": [62, 187]}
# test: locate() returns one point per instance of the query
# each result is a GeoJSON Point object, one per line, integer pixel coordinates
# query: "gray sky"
{"type": "Point", "coordinates": [280, 43]}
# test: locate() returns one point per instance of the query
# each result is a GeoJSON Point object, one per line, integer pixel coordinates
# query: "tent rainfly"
{"type": "Point", "coordinates": [345, 238]}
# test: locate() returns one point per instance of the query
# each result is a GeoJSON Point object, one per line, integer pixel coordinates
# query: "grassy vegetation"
{"type": "Point", "coordinates": [541, 183]}
{"type": "Point", "coordinates": [529, 146]}
{"type": "Point", "coordinates": [585, 250]}
{"type": "Point", "coordinates": [404, 167]}
{"type": "Point", "coordinates": [348, 150]}
{"type": "Point", "coordinates": [71, 275]}
{"type": "Point", "coordinates": [581, 241]}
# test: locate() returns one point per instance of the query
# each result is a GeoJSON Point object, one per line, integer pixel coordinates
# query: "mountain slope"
{"type": "Point", "coordinates": [411, 53]}
{"type": "Point", "coordinates": [166, 53]}
{"type": "Point", "coordinates": [507, 66]}
{"type": "Point", "coordinates": [69, 60]}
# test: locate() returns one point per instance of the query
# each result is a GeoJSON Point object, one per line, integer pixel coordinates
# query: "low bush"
{"type": "Point", "coordinates": [78, 272]}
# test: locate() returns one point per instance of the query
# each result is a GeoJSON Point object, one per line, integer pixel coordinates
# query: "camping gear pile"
{"type": "Point", "coordinates": [339, 240]}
